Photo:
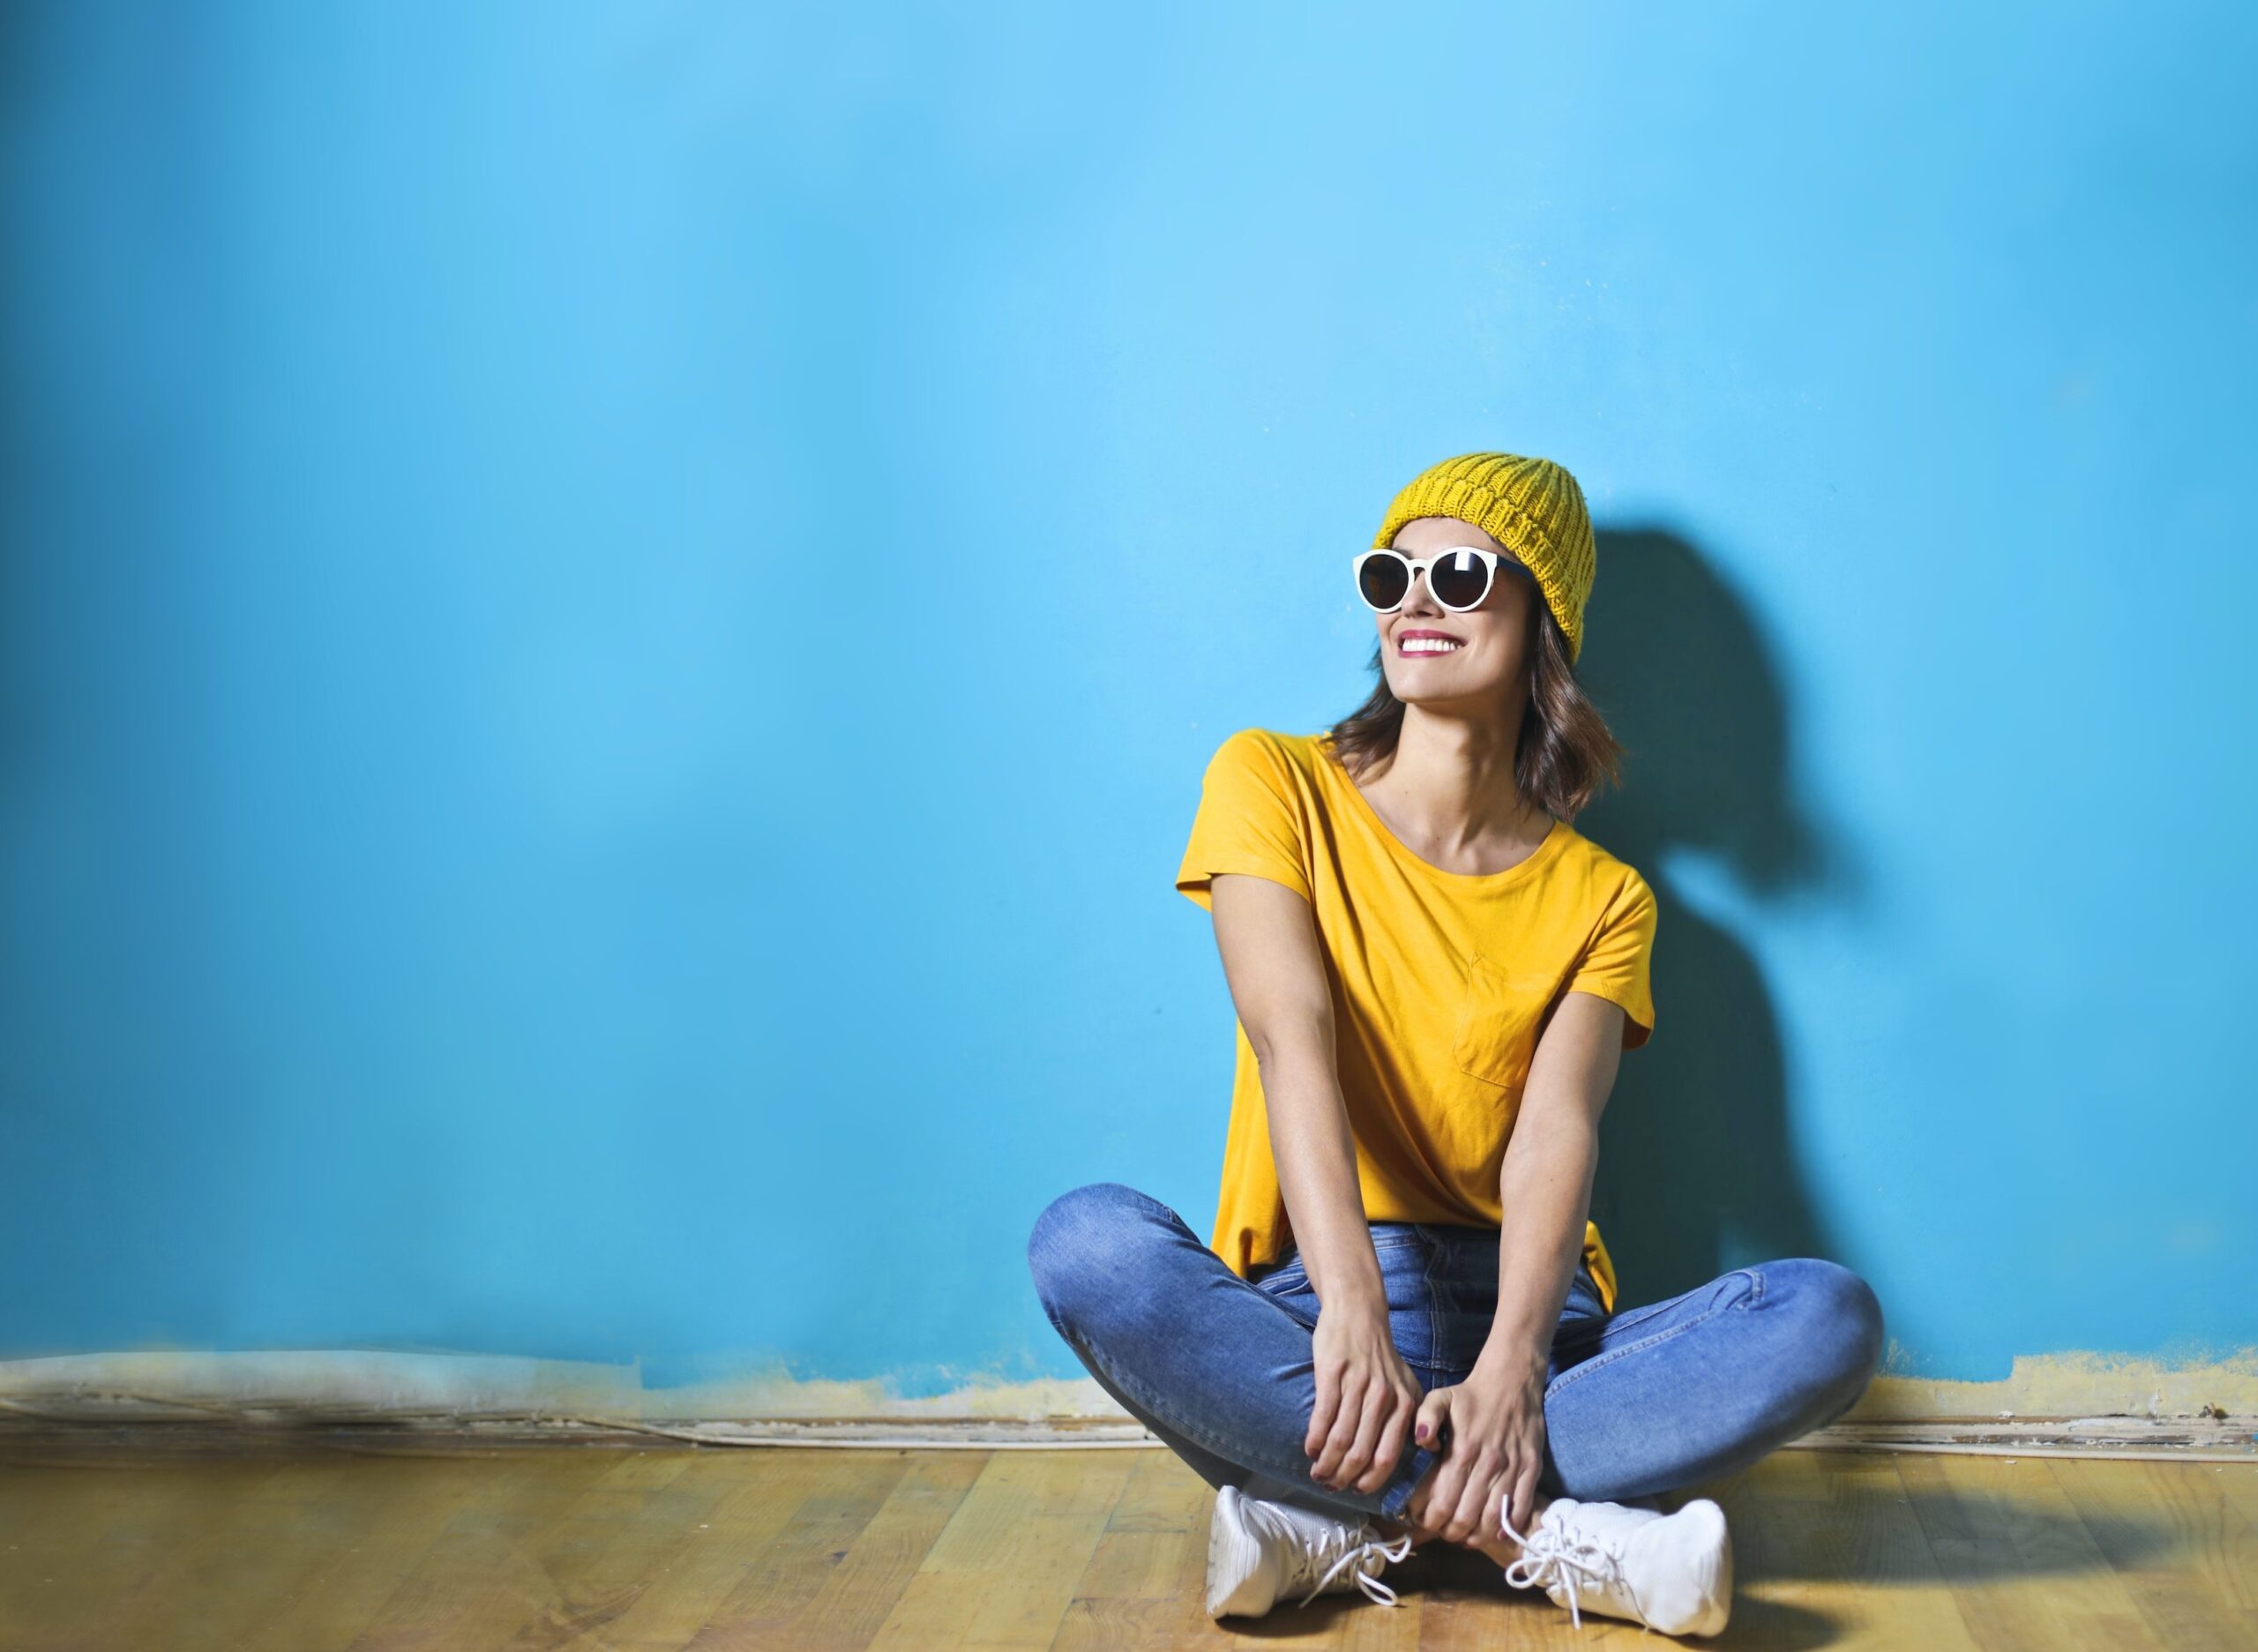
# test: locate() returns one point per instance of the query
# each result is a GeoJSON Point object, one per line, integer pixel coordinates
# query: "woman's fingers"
{"type": "Point", "coordinates": [1520, 1499]}
{"type": "Point", "coordinates": [1434, 1413]}
{"type": "Point", "coordinates": [1342, 1433]}
{"type": "Point", "coordinates": [1364, 1454]}
{"type": "Point", "coordinates": [1351, 1426]}
{"type": "Point", "coordinates": [1430, 1497]}
{"type": "Point", "coordinates": [1367, 1401]}
{"type": "Point", "coordinates": [1475, 1498]}
{"type": "Point", "coordinates": [1321, 1420]}
{"type": "Point", "coordinates": [1447, 1484]}
{"type": "Point", "coordinates": [1395, 1428]}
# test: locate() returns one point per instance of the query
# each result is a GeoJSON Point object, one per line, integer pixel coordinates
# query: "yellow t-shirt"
{"type": "Point", "coordinates": [1441, 982]}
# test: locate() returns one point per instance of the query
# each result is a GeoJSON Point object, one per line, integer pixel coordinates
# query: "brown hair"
{"type": "Point", "coordinates": [1565, 750]}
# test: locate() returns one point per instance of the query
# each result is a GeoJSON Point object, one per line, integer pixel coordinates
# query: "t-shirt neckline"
{"type": "Point", "coordinates": [1544, 850]}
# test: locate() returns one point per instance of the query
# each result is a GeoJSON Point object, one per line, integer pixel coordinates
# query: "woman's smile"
{"type": "Point", "coordinates": [1413, 644]}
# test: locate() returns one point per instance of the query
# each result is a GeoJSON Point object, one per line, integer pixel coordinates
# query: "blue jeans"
{"type": "Point", "coordinates": [1637, 1402]}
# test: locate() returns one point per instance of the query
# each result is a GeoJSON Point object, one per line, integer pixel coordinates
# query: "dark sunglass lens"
{"type": "Point", "coordinates": [1383, 579]}
{"type": "Point", "coordinates": [1458, 579]}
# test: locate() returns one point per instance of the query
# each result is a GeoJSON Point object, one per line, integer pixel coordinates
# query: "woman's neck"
{"type": "Point", "coordinates": [1450, 792]}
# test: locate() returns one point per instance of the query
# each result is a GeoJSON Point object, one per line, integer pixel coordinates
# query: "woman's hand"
{"type": "Point", "coordinates": [1366, 1397]}
{"type": "Point", "coordinates": [1495, 1452]}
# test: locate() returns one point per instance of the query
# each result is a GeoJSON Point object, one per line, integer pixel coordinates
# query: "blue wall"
{"type": "Point", "coordinates": [609, 618]}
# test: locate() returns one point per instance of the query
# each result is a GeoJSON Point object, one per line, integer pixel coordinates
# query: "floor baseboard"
{"type": "Point", "coordinates": [2228, 1440]}
{"type": "Point", "coordinates": [2073, 1405]}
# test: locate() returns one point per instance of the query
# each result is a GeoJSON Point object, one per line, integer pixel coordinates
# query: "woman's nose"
{"type": "Point", "coordinates": [1419, 598]}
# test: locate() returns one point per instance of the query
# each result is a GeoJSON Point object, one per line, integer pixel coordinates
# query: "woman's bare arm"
{"type": "Point", "coordinates": [1546, 1181]}
{"type": "Point", "coordinates": [1276, 968]}
{"type": "Point", "coordinates": [1367, 1398]}
{"type": "Point", "coordinates": [1488, 1477]}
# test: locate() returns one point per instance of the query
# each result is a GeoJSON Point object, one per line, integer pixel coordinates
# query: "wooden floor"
{"type": "Point", "coordinates": [304, 1547]}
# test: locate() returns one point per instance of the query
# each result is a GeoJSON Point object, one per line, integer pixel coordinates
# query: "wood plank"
{"type": "Point", "coordinates": [381, 1517]}
{"type": "Point", "coordinates": [1465, 1605]}
{"type": "Point", "coordinates": [770, 1594]}
{"type": "Point", "coordinates": [1891, 1582]}
{"type": "Point", "coordinates": [71, 1574]}
{"type": "Point", "coordinates": [763, 1488]}
{"type": "Point", "coordinates": [227, 1565]}
{"type": "Point", "coordinates": [481, 1578]}
{"type": "Point", "coordinates": [809, 1549]}
{"type": "Point", "coordinates": [1146, 1585]}
{"type": "Point", "coordinates": [1876, 1577]}
{"type": "Point", "coordinates": [31, 1491]}
{"type": "Point", "coordinates": [1805, 1531]}
{"type": "Point", "coordinates": [1163, 1495]}
{"type": "Point", "coordinates": [2021, 1565]}
{"type": "Point", "coordinates": [2214, 1534]}
{"type": "Point", "coordinates": [2239, 1483]}
{"type": "Point", "coordinates": [859, 1591]}
{"type": "Point", "coordinates": [1003, 1571]}
{"type": "Point", "coordinates": [600, 1561]}
{"type": "Point", "coordinates": [2180, 1550]}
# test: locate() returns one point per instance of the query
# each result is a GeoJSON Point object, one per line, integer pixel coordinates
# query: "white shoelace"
{"type": "Point", "coordinates": [1305, 1555]}
{"type": "Point", "coordinates": [1553, 1556]}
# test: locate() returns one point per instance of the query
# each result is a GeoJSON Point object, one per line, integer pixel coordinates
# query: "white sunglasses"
{"type": "Point", "coordinates": [1458, 575]}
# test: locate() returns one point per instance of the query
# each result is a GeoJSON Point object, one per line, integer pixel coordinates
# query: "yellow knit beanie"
{"type": "Point", "coordinates": [1531, 507]}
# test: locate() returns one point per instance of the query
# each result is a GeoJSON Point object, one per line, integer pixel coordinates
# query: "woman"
{"type": "Point", "coordinates": [1405, 1329]}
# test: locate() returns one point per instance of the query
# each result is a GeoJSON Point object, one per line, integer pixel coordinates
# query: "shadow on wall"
{"type": "Point", "coordinates": [1697, 1172]}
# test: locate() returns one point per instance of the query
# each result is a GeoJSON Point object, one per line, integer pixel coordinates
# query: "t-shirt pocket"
{"type": "Point", "coordinates": [1497, 1021]}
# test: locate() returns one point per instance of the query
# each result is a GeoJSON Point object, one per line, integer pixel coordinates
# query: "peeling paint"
{"type": "Point", "coordinates": [353, 1383]}
{"type": "Point", "coordinates": [2074, 1385]}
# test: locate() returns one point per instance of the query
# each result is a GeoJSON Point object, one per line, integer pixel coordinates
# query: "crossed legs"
{"type": "Point", "coordinates": [1650, 1400]}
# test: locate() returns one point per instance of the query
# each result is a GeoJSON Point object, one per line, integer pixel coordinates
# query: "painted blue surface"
{"type": "Point", "coordinates": [611, 618]}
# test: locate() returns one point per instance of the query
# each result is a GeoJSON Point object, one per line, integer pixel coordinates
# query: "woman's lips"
{"type": "Point", "coordinates": [1431, 646]}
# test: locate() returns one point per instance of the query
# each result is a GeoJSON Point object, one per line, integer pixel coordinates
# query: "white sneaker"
{"type": "Point", "coordinates": [1669, 1571]}
{"type": "Point", "coordinates": [1260, 1551]}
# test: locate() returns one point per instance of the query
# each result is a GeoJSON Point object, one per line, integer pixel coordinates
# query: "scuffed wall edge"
{"type": "Point", "coordinates": [352, 1384]}
{"type": "Point", "coordinates": [2074, 1385]}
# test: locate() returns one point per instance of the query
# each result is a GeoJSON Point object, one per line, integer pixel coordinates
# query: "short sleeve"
{"type": "Point", "coordinates": [1250, 820]}
{"type": "Point", "coordinates": [1618, 965]}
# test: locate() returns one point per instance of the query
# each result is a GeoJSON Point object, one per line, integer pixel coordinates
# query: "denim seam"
{"type": "Point", "coordinates": [1151, 1205]}
{"type": "Point", "coordinates": [1630, 1316]}
{"type": "Point", "coordinates": [1380, 1242]}
{"type": "Point", "coordinates": [1435, 1350]}
{"type": "Point", "coordinates": [1583, 1367]}
{"type": "Point", "coordinates": [1383, 1241]}
{"type": "Point", "coordinates": [1264, 1286]}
